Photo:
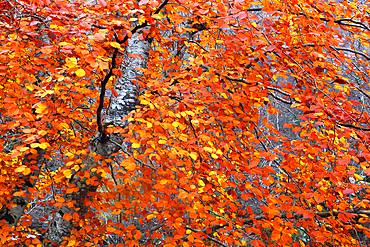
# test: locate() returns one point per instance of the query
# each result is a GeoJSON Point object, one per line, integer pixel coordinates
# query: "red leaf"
{"type": "Point", "coordinates": [340, 81]}
{"type": "Point", "coordinates": [52, 35]}
{"type": "Point", "coordinates": [288, 125]}
{"type": "Point", "coordinates": [307, 214]}
{"type": "Point", "coordinates": [114, 92]}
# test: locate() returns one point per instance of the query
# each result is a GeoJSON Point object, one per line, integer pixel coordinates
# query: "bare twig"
{"type": "Point", "coordinates": [319, 214]}
{"type": "Point", "coordinates": [192, 41]}
{"type": "Point", "coordinates": [350, 50]}
{"type": "Point", "coordinates": [127, 153]}
{"type": "Point", "coordinates": [210, 238]}
{"type": "Point", "coordinates": [353, 127]}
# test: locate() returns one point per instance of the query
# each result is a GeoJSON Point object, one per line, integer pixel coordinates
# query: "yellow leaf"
{"type": "Point", "coordinates": [70, 155]}
{"type": "Point", "coordinates": [65, 125]}
{"type": "Point", "coordinates": [29, 87]}
{"type": "Point", "coordinates": [67, 173]}
{"type": "Point", "coordinates": [150, 216]}
{"type": "Point", "coordinates": [20, 168]}
{"type": "Point", "coordinates": [64, 43]}
{"type": "Point", "coordinates": [41, 107]}
{"type": "Point", "coordinates": [175, 124]}
{"type": "Point", "coordinates": [80, 73]}
{"type": "Point", "coordinates": [201, 183]}
{"type": "Point", "coordinates": [135, 145]}
{"type": "Point", "coordinates": [71, 62]}
{"type": "Point", "coordinates": [193, 156]}
{"type": "Point", "coordinates": [35, 145]}
{"type": "Point", "coordinates": [144, 102]}
{"type": "Point", "coordinates": [158, 16]}
{"type": "Point", "coordinates": [71, 243]}
{"type": "Point", "coordinates": [23, 149]}
{"type": "Point", "coordinates": [115, 44]}
{"type": "Point", "coordinates": [208, 149]}
{"type": "Point", "coordinates": [44, 145]}
{"type": "Point", "coordinates": [163, 181]}
{"type": "Point", "coordinates": [162, 141]}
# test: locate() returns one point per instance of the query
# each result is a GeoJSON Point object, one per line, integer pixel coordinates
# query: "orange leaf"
{"type": "Point", "coordinates": [23, 169]}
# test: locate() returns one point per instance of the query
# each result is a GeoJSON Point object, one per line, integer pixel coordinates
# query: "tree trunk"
{"type": "Point", "coordinates": [119, 108]}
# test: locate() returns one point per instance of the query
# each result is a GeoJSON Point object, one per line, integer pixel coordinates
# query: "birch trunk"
{"type": "Point", "coordinates": [119, 107]}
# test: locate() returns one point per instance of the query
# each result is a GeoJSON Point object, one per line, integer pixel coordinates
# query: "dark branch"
{"type": "Point", "coordinates": [144, 24]}
{"type": "Point", "coordinates": [353, 127]}
{"type": "Point", "coordinates": [209, 237]}
{"type": "Point", "coordinates": [103, 137]}
{"type": "Point", "coordinates": [255, 9]}
{"type": "Point", "coordinates": [319, 214]}
{"type": "Point", "coordinates": [357, 23]}
{"type": "Point", "coordinates": [280, 99]}
{"type": "Point", "coordinates": [350, 50]}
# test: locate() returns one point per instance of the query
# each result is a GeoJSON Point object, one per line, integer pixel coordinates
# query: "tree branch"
{"type": "Point", "coordinates": [319, 214]}
{"type": "Point", "coordinates": [350, 50]}
{"type": "Point", "coordinates": [353, 127]}
{"type": "Point", "coordinates": [209, 237]}
{"type": "Point", "coordinates": [103, 135]}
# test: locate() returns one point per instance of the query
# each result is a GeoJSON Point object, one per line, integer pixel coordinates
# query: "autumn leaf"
{"type": "Point", "coordinates": [307, 214]}
{"type": "Point", "coordinates": [23, 169]}
{"type": "Point", "coordinates": [115, 44]}
{"type": "Point", "coordinates": [266, 4]}
{"type": "Point", "coordinates": [80, 73]}
{"type": "Point", "coordinates": [158, 16]}
{"type": "Point", "coordinates": [135, 145]}
{"type": "Point", "coordinates": [183, 195]}
{"type": "Point", "coordinates": [114, 92]}
{"type": "Point", "coordinates": [340, 81]}
{"type": "Point", "coordinates": [41, 108]}
{"type": "Point", "coordinates": [228, 124]}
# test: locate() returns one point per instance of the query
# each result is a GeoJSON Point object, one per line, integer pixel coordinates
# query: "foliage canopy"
{"type": "Point", "coordinates": [251, 125]}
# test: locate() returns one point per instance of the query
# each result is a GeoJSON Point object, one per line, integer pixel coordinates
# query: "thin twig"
{"type": "Point", "coordinates": [350, 50]}
{"type": "Point", "coordinates": [210, 238]}
{"type": "Point", "coordinates": [353, 127]}
{"type": "Point", "coordinates": [127, 153]}
{"type": "Point", "coordinates": [192, 41]}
